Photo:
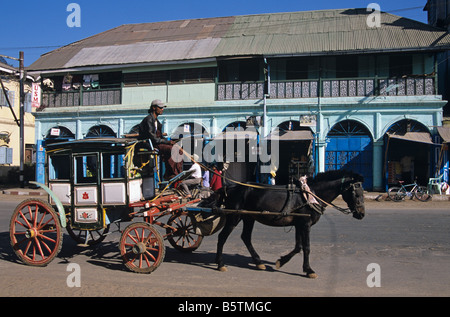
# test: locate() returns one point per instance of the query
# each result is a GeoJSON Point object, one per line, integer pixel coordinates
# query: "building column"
{"type": "Point", "coordinates": [120, 129]}
{"type": "Point", "coordinates": [165, 126]}
{"type": "Point", "coordinates": [38, 131]}
{"type": "Point", "coordinates": [78, 132]}
{"type": "Point", "coordinates": [213, 126]}
{"type": "Point", "coordinates": [320, 155]}
{"type": "Point", "coordinates": [378, 165]}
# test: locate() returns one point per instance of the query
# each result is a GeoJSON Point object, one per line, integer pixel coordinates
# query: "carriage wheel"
{"type": "Point", "coordinates": [184, 237]}
{"type": "Point", "coordinates": [92, 237]}
{"type": "Point", "coordinates": [35, 232]}
{"type": "Point", "coordinates": [142, 247]}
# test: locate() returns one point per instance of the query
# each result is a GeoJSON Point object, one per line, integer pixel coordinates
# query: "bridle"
{"type": "Point", "coordinates": [353, 186]}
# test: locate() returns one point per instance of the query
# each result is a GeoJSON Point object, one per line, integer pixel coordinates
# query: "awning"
{"type": "Point", "coordinates": [444, 132]}
{"type": "Point", "coordinates": [238, 135]}
{"type": "Point", "coordinates": [300, 135]}
{"type": "Point", "coordinates": [421, 137]}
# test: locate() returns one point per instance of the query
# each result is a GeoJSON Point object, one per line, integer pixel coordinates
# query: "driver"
{"type": "Point", "coordinates": [151, 128]}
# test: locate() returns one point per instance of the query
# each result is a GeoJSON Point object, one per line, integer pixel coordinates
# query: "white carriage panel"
{"type": "Point", "coordinates": [62, 192]}
{"type": "Point", "coordinates": [86, 195]}
{"type": "Point", "coordinates": [135, 190]}
{"type": "Point", "coordinates": [113, 194]}
{"type": "Point", "coordinates": [86, 215]}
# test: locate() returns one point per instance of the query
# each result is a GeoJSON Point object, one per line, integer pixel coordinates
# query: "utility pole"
{"type": "Point", "coordinates": [266, 94]}
{"type": "Point", "coordinates": [22, 118]}
{"type": "Point", "coordinates": [22, 114]}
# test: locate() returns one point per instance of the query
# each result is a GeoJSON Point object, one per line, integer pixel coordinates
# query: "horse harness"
{"type": "Point", "coordinates": [311, 199]}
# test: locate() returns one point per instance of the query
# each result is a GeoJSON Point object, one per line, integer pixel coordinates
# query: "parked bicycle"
{"type": "Point", "coordinates": [399, 193]}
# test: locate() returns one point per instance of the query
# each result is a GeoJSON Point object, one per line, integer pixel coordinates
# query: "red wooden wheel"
{"type": "Point", "coordinates": [35, 232]}
{"type": "Point", "coordinates": [184, 237]}
{"type": "Point", "coordinates": [142, 247]}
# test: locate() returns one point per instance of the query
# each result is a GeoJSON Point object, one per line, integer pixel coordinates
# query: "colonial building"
{"type": "Point", "coordinates": [9, 122]}
{"type": "Point", "coordinates": [345, 92]}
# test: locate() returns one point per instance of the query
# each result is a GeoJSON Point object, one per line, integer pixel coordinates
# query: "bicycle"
{"type": "Point", "coordinates": [399, 193]}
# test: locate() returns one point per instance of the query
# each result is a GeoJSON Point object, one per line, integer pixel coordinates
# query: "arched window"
{"type": "Point", "coordinates": [59, 134]}
{"type": "Point", "coordinates": [100, 131]}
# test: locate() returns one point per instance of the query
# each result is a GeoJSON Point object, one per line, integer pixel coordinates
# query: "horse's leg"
{"type": "Point", "coordinates": [298, 247]}
{"type": "Point", "coordinates": [247, 238]}
{"type": "Point", "coordinates": [305, 232]}
{"type": "Point", "coordinates": [230, 224]}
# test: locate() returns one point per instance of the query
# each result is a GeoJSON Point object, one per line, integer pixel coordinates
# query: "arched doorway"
{"type": "Point", "coordinates": [189, 130]}
{"type": "Point", "coordinates": [295, 151]}
{"type": "Point", "coordinates": [237, 147]}
{"type": "Point", "coordinates": [350, 147]}
{"type": "Point", "coordinates": [191, 137]}
{"type": "Point", "coordinates": [407, 152]}
{"type": "Point", "coordinates": [100, 131]}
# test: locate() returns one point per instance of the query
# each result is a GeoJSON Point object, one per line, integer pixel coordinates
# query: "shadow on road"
{"type": "Point", "coordinates": [106, 255]}
{"type": "Point", "coordinates": [6, 251]}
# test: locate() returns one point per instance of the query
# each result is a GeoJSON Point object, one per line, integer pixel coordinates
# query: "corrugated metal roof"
{"type": "Point", "coordinates": [295, 33]}
{"type": "Point", "coordinates": [143, 52]}
{"type": "Point", "coordinates": [329, 31]}
{"type": "Point", "coordinates": [7, 68]}
{"type": "Point", "coordinates": [444, 132]}
{"type": "Point", "coordinates": [420, 137]}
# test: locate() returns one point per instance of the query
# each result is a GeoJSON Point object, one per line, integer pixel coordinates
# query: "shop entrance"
{"type": "Point", "coordinates": [350, 147]}
{"type": "Point", "coordinates": [407, 152]}
{"type": "Point", "coordinates": [296, 152]}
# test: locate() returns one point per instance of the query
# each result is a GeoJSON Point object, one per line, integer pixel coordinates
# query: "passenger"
{"type": "Point", "coordinates": [206, 179]}
{"type": "Point", "coordinates": [194, 179]}
{"type": "Point", "coordinates": [150, 129]}
{"type": "Point", "coordinates": [216, 181]}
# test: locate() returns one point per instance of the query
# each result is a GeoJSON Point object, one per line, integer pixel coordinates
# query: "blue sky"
{"type": "Point", "coordinates": [37, 27]}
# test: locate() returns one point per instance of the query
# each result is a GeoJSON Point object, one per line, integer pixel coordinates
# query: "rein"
{"type": "Point", "coordinates": [343, 210]}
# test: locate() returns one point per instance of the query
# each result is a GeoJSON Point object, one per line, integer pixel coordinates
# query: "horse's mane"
{"type": "Point", "coordinates": [334, 175]}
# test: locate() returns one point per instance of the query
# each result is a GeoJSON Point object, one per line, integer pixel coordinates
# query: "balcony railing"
{"type": "Point", "coordinates": [95, 97]}
{"type": "Point", "coordinates": [350, 87]}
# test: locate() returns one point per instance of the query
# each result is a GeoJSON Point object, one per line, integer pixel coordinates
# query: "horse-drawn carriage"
{"type": "Point", "coordinates": [94, 183]}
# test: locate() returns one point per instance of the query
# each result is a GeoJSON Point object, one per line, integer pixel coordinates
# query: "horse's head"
{"type": "Point", "coordinates": [353, 195]}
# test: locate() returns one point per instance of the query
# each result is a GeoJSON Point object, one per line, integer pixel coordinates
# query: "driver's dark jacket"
{"type": "Point", "coordinates": [148, 130]}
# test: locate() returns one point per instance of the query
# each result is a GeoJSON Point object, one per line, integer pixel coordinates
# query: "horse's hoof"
{"type": "Point", "coordinates": [278, 264]}
{"type": "Point", "coordinates": [312, 275]}
{"type": "Point", "coordinates": [222, 269]}
{"type": "Point", "coordinates": [261, 267]}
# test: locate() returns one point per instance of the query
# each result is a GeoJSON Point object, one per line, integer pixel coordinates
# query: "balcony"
{"type": "Point", "coordinates": [81, 97]}
{"type": "Point", "coordinates": [350, 87]}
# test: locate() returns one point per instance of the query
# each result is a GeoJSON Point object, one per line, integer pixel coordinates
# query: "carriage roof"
{"type": "Point", "coordinates": [94, 144]}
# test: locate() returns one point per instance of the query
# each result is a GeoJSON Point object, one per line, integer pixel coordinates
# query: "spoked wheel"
{"type": "Point", "coordinates": [87, 238]}
{"type": "Point", "coordinates": [422, 194]}
{"type": "Point", "coordinates": [397, 194]}
{"type": "Point", "coordinates": [196, 192]}
{"type": "Point", "coordinates": [35, 232]}
{"type": "Point", "coordinates": [184, 238]}
{"type": "Point", "coordinates": [142, 247]}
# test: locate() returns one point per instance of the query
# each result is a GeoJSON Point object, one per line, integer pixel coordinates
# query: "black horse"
{"type": "Point", "coordinates": [285, 201]}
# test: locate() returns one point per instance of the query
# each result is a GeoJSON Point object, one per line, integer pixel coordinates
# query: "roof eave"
{"type": "Point", "coordinates": [91, 68]}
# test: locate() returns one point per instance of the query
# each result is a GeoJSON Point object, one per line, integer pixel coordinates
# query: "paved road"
{"type": "Point", "coordinates": [408, 242]}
